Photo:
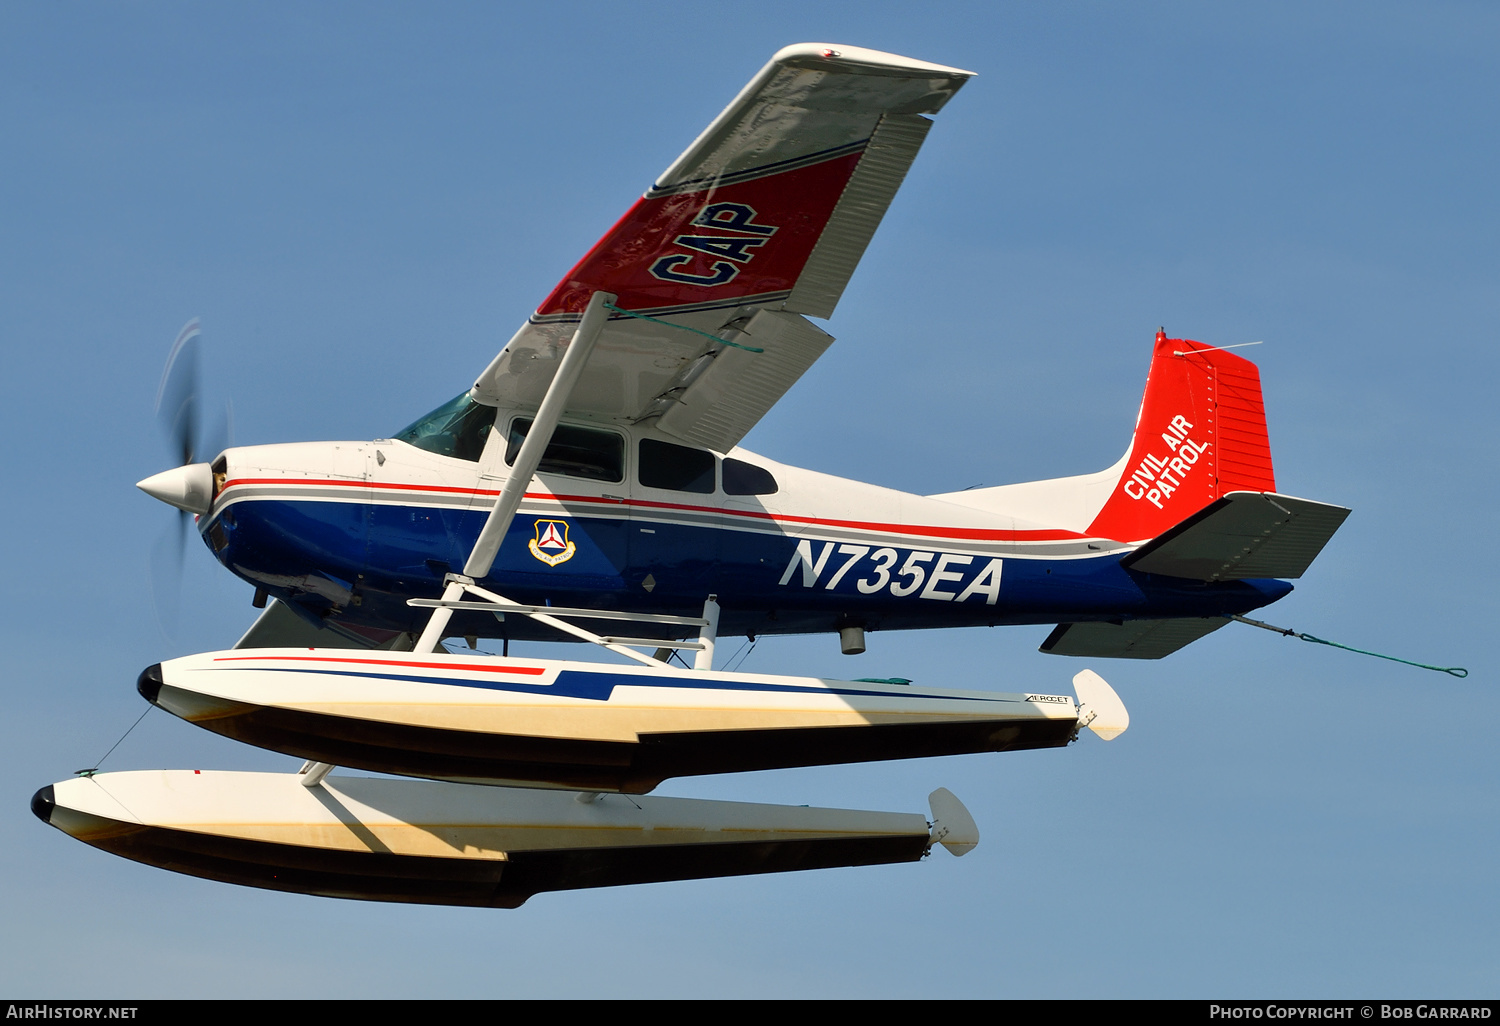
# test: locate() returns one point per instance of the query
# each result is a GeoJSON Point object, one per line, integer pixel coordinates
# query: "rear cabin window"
{"type": "Point", "coordinates": [741, 478]}
{"type": "Point", "coordinates": [676, 467]}
{"type": "Point", "coordinates": [574, 451]}
{"type": "Point", "coordinates": [457, 428]}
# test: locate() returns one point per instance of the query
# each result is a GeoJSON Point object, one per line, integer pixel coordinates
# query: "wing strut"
{"type": "Point", "coordinates": [527, 461]}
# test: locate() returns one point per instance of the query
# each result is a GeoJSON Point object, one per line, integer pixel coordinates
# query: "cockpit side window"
{"type": "Point", "coordinates": [457, 428]}
{"type": "Point", "coordinates": [676, 467]}
{"type": "Point", "coordinates": [574, 451]}
{"type": "Point", "coordinates": [741, 478]}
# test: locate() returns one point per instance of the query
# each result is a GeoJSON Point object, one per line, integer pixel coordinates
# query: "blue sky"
{"type": "Point", "coordinates": [363, 201]}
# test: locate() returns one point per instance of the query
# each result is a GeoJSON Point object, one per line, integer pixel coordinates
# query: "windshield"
{"type": "Point", "coordinates": [457, 428]}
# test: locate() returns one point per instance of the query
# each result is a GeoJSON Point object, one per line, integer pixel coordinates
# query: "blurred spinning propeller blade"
{"type": "Point", "coordinates": [177, 396]}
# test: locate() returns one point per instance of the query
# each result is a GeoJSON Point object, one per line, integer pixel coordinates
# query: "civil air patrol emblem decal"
{"type": "Point", "coordinates": [551, 544]}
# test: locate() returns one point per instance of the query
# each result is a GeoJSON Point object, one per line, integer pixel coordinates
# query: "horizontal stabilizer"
{"type": "Point", "coordinates": [1133, 639]}
{"type": "Point", "coordinates": [1241, 536]}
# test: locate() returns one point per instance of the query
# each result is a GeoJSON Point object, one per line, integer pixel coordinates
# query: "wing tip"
{"type": "Point", "coordinates": [855, 58]}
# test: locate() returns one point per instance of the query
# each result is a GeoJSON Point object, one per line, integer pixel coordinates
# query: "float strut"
{"type": "Point", "coordinates": [704, 658]}
{"type": "Point", "coordinates": [314, 772]}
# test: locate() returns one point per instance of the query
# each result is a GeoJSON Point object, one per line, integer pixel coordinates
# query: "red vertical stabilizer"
{"type": "Point", "coordinates": [1201, 434]}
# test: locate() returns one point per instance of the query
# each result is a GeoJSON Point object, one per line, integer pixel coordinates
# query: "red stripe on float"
{"type": "Point", "coordinates": [529, 671]}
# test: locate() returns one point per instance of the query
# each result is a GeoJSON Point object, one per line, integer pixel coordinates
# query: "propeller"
{"type": "Point", "coordinates": [177, 395]}
{"type": "Point", "coordinates": [188, 486]}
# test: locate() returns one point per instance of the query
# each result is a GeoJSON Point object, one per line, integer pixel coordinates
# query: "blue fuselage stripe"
{"type": "Point", "coordinates": [360, 562]}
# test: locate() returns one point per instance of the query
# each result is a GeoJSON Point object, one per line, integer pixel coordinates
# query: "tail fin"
{"type": "Point", "coordinates": [1201, 434]}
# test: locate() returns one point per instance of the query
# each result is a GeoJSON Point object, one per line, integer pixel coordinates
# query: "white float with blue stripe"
{"type": "Point", "coordinates": [559, 723]}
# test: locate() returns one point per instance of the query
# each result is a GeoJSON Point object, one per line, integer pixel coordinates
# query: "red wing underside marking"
{"type": "Point", "coordinates": [768, 211]}
{"type": "Point", "coordinates": [749, 239]}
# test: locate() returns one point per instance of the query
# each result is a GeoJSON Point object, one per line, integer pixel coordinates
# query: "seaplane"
{"type": "Point", "coordinates": [589, 487]}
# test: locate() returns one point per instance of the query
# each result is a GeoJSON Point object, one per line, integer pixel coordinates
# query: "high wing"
{"type": "Point", "coordinates": [761, 221]}
{"type": "Point", "coordinates": [280, 627]}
